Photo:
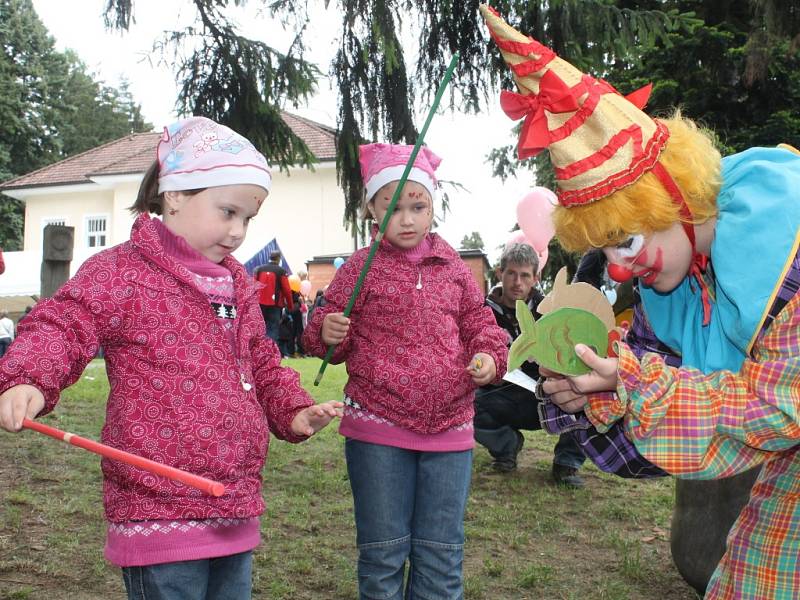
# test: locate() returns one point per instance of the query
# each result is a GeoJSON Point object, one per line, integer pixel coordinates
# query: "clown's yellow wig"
{"type": "Point", "coordinates": [692, 160]}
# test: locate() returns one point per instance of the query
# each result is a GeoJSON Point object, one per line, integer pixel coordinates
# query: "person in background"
{"type": "Point", "coordinates": [297, 324]}
{"type": "Point", "coordinates": [6, 331]}
{"type": "Point", "coordinates": [286, 335]}
{"type": "Point", "coordinates": [25, 313]}
{"type": "Point", "coordinates": [275, 295]}
{"type": "Point", "coordinates": [503, 409]}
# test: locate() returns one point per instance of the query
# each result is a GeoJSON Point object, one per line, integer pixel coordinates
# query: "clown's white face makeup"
{"type": "Point", "coordinates": [412, 217]}
{"type": "Point", "coordinates": [628, 249]}
{"type": "Point", "coordinates": [661, 260]}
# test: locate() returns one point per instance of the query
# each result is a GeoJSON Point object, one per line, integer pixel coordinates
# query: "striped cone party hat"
{"type": "Point", "coordinates": [599, 141]}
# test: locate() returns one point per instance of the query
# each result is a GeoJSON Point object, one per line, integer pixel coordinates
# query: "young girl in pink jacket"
{"type": "Point", "coordinates": [195, 383]}
{"type": "Point", "coordinates": [417, 344]}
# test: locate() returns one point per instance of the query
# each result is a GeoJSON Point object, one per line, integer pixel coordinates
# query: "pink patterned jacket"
{"type": "Point", "coordinates": [177, 393]}
{"type": "Point", "coordinates": [414, 329]}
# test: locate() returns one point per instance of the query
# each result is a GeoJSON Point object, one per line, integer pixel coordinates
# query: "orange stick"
{"type": "Point", "coordinates": [210, 487]}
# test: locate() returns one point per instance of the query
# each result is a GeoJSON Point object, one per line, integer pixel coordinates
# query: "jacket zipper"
{"type": "Point", "coordinates": [246, 386]}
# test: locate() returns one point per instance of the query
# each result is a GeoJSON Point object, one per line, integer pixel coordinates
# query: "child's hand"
{"type": "Point", "coordinates": [482, 369]}
{"type": "Point", "coordinates": [310, 420]}
{"type": "Point", "coordinates": [17, 403]}
{"type": "Point", "coordinates": [334, 328]}
{"type": "Point", "coordinates": [570, 393]}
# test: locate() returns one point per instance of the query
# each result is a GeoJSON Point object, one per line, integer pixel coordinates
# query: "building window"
{"type": "Point", "coordinates": [95, 232]}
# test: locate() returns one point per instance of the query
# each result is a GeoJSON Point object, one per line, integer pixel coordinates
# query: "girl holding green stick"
{"type": "Point", "coordinates": [418, 342]}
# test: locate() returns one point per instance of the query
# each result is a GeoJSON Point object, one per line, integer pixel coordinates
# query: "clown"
{"type": "Point", "coordinates": [714, 245]}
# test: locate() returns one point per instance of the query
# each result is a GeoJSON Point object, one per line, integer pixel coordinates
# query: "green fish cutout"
{"type": "Point", "coordinates": [550, 341]}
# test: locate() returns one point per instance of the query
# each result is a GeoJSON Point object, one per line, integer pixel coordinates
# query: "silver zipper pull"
{"type": "Point", "coordinates": [247, 387]}
{"type": "Point", "coordinates": [419, 280]}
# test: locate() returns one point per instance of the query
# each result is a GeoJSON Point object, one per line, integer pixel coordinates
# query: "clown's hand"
{"type": "Point", "coordinates": [570, 393]}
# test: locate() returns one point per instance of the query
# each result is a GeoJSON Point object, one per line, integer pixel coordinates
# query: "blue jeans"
{"type": "Point", "coordinates": [409, 505]}
{"type": "Point", "coordinates": [223, 578]}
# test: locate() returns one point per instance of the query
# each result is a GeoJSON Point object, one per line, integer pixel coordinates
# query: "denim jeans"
{"type": "Point", "coordinates": [502, 410]}
{"type": "Point", "coordinates": [409, 505]}
{"type": "Point", "coordinates": [223, 578]}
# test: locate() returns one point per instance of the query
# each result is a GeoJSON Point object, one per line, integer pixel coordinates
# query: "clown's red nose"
{"type": "Point", "coordinates": [619, 273]}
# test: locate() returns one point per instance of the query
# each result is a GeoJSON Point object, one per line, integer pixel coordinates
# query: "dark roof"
{"type": "Point", "coordinates": [134, 153]}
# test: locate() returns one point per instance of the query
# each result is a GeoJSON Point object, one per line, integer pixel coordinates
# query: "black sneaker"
{"type": "Point", "coordinates": [506, 464]}
{"type": "Point", "coordinates": [567, 476]}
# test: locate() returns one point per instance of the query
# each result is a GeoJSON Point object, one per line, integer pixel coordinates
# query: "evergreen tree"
{"type": "Point", "coordinates": [232, 79]}
{"type": "Point", "coordinates": [50, 107]}
{"type": "Point", "coordinates": [710, 76]}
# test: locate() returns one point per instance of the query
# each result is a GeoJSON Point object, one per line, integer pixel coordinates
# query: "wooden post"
{"type": "Point", "coordinates": [57, 244]}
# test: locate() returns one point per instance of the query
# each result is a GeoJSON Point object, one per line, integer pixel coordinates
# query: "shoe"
{"type": "Point", "coordinates": [567, 477]}
{"type": "Point", "coordinates": [504, 465]}
{"type": "Point", "coordinates": [507, 464]}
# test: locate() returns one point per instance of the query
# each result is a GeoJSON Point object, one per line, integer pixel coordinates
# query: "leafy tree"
{"type": "Point", "coordinates": [26, 65]}
{"type": "Point", "coordinates": [711, 77]}
{"type": "Point", "coordinates": [473, 241]}
{"type": "Point", "coordinates": [241, 82]}
{"type": "Point", "coordinates": [378, 86]}
{"type": "Point", "coordinates": [719, 72]}
{"type": "Point", "coordinates": [50, 107]}
{"type": "Point", "coordinates": [91, 113]}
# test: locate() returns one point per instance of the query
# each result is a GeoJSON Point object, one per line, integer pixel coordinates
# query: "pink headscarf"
{"type": "Point", "coordinates": [199, 153]}
{"type": "Point", "coordinates": [383, 163]}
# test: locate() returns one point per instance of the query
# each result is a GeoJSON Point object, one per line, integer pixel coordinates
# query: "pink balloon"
{"type": "Point", "coordinates": [518, 237]}
{"type": "Point", "coordinates": [542, 256]}
{"type": "Point", "coordinates": [534, 216]}
{"type": "Point", "coordinates": [305, 287]}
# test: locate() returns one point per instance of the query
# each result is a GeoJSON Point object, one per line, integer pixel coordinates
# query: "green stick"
{"type": "Point", "coordinates": [376, 242]}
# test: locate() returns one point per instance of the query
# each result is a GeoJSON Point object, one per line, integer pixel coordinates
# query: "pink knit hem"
{"type": "Point", "coordinates": [142, 543]}
{"type": "Point", "coordinates": [453, 440]}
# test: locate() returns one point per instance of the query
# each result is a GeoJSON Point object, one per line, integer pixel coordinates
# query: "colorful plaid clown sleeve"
{"type": "Point", "coordinates": [708, 426]}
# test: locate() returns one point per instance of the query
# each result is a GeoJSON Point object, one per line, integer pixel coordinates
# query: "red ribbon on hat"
{"type": "Point", "coordinates": [554, 95]}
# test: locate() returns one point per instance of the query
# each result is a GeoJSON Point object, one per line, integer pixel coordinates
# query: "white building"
{"type": "Point", "coordinates": [93, 190]}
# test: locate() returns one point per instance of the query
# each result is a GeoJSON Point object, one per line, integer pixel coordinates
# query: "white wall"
{"type": "Point", "coordinates": [304, 211]}
{"type": "Point", "coordinates": [72, 206]}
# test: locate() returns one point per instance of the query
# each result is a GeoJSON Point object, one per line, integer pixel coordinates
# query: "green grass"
{"type": "Point", "coordinates": [526, 539]}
